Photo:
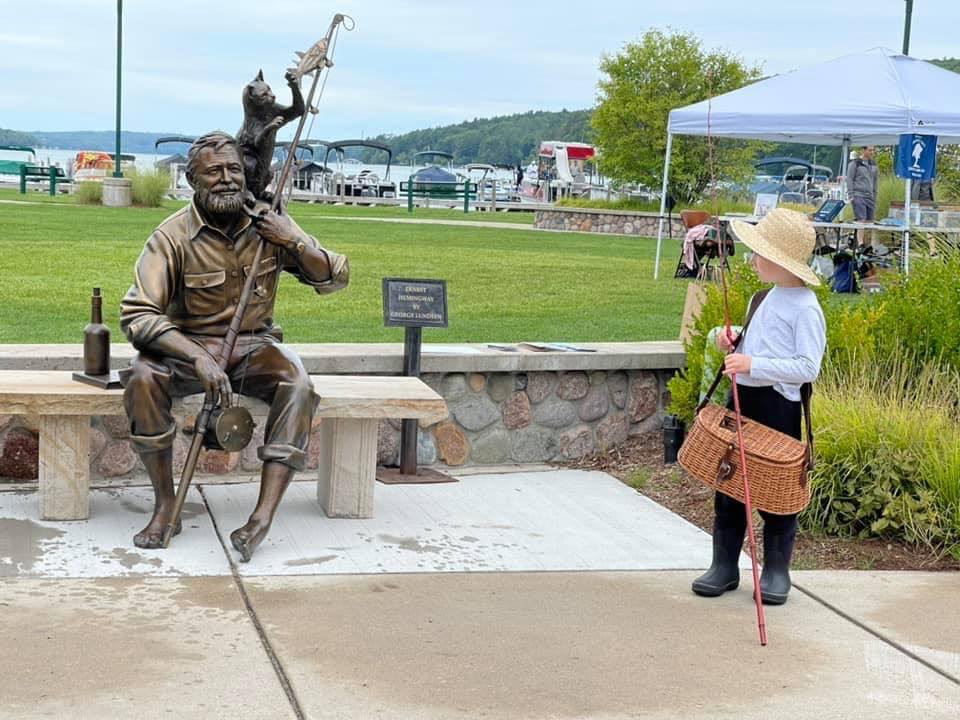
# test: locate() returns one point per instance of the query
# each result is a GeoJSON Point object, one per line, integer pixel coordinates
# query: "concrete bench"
{"type": "Point", "coordinates": [354, 404]}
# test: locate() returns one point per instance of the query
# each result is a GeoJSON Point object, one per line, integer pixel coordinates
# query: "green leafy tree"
{"type": "Point", "coordinates": [640, 86]}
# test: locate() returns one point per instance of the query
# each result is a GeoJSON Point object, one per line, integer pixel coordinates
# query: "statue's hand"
{"type": "Point", "coordinates": [276, 123]}
{"type": "Point", "coordinates": [276, 229]}
{"type": "Point", "coordinates": [214, 380]}
{"type": "Point", "coordinates": [291, 77]}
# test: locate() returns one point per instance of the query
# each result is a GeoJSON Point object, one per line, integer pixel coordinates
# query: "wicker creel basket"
{"type": "Point", "coordinates": [777, 464]}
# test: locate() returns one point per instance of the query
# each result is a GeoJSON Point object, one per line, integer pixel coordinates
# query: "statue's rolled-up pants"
{"type": "Point", "coordinates": [259, 367]}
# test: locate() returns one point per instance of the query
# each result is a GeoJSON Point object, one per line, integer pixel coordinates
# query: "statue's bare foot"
{"type": "Point", "coordinates": [151, 537]}
{"type": "Point", "coordinates": [246, 539]}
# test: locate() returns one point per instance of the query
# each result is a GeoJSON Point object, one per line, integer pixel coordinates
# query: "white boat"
{"type": "Point", "coordinates": [95, 165]}
{"type": "Point", "coordinates": [346, 180]}
{"type": "Point", "coordinates": [564, 169]}
{"type": "Point", "coordinates": [489, 186]}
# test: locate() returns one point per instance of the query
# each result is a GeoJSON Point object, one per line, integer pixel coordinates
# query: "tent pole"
{"type": "Point", "coordinates": [844, 155]}
{"type": "Point", "coordinates": [663, 204]}
{"type": "Point", "coordinates": [905, 248]}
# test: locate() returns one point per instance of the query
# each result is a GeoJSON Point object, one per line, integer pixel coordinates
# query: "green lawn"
{"type": "Point", "coordinates": [504, 285]}
{"type": "Point", "coordinates": [322, 210]}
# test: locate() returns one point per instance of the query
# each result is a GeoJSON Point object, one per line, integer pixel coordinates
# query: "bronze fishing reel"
{"type": "Point", "coordinates": [229, 429]}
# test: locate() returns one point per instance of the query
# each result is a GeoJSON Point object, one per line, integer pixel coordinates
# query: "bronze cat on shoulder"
{"type": "Point", "coordinates": [262, 117]}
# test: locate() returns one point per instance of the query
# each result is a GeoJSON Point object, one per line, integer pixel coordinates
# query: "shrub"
{"type": "Point", "coordinates": [888, 453]}
{"type": "Point", "coordinates": [889, 187]}
{"type": "Point", "coordinates": [851, 329]}
{"type": "Point", "coordinates": [89, 193]}
{"type": "Point", "coordinates": [921, 313]}
{"type": "Point", "coordinates": [149, 186]}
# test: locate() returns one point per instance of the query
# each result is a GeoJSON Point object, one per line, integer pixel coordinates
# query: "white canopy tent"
{"type": "Point", "coordinates": [870, 98]}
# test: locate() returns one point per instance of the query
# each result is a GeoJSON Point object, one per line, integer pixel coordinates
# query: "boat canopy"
{"type": "Point", "coordinates": [431, 154]}
{"type": "Point", "coordinates": [338, 146]}
{"type": "Point", "coordinates": [782, 160]}
{"type": "Point", "coordinates": [285, 146]}
{"type": "Point", "coordinates": [20, 148]}
{"type": "Point", "coordinates": [172, 139]}
{"type": "Point", "coordinates": [12, 167]}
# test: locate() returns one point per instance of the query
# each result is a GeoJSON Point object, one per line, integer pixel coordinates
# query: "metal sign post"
{"type": "Point", "coordinates": [413, 305]}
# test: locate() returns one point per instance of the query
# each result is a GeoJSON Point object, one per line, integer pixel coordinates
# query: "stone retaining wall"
{"type": "Point", "coordinates": [516, 408]}
{"type": "Point", "coordinates": [618, 222]}
{"type": "Point", "coordinates": [533, 417]}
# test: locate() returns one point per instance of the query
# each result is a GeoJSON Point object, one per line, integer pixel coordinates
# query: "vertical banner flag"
{"type": "Point", "coordinates": [917, 157]}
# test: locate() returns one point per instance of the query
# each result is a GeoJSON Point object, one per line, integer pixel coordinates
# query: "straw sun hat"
{"type": "Point", "coordinates": [784, 237]}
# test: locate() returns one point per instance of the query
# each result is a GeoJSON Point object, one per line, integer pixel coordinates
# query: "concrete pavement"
{"type": "Point", "coordinates": [556, 594]}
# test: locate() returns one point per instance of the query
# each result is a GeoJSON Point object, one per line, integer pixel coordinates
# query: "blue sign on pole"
{"type": "Point", "coordinates": [917, 157]}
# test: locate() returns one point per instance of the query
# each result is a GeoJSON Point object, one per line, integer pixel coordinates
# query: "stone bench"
{"type": "Point", "coordinates": [354, 405]}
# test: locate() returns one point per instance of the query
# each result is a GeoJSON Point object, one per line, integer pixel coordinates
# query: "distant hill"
{"type": "Point", "coordinates": [14, 137]}
{"type": "Point", "coordinates": [504, 140]}
{"type": "Point", "coordinates": [130, 142]}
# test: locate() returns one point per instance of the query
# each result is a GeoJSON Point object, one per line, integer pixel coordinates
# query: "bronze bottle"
{"type": "Point", "coordinates": [96, 340]}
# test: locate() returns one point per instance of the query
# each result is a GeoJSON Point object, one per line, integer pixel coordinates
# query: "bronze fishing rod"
{"type": "Point", "coordinates": [314, 60]}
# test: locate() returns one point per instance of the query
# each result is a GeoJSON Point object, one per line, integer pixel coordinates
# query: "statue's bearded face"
{"type": "Point", "coordinates": [218, 182]}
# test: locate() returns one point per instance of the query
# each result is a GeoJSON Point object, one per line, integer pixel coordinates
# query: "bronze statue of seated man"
{"type": "Point", "coordinates": [187, 285]}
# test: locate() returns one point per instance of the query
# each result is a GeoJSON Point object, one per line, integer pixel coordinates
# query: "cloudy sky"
{"type": "Point", "coordinates": [408, 64]}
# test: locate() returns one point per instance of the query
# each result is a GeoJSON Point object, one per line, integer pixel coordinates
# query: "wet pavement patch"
{"type": "Point", "coordinates": [23, 543]}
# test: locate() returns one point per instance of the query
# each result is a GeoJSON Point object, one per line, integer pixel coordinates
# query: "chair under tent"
{"type": "Point", "coordinates": [701, 248]}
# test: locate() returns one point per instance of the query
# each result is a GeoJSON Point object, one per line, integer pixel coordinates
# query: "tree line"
{"type": "Point", "coordinates": [505, 140]}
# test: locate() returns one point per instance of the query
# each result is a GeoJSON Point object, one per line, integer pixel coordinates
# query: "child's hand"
{"type": "Point", "coordinates": [737, 364]}
{"type": "Point", "coordinates": [724, 341]}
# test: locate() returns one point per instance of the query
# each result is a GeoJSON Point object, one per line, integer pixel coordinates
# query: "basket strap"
{"type": "Point", "coordinates": [754, 304]}
{"type": "Point", "coordinates": [806, 391]}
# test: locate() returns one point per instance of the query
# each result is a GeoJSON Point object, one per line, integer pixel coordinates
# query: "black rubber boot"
{"type": "Point", "coordinates": [728, 528]}
{"type": "Point", "coordinates": [779, 535]}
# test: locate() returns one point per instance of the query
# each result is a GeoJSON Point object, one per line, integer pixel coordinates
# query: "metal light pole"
{"type": "Point", "coordinates": [117, 172]}
{"type": "Point", "coordinates": [906, 28]}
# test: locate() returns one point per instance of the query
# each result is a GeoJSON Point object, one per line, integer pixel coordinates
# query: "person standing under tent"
{"type": "Point", "coordinates": [862, 181]}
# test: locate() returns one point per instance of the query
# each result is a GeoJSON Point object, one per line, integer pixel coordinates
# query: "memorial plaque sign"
{"type": "Point", "coordinates": [414, 303]}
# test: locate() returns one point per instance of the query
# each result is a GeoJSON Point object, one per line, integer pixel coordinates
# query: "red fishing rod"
{"type": "Point", "coordinates": [751, 539]}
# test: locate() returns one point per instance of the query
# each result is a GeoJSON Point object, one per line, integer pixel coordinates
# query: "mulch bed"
{"type": "Point", "coordinates": [639, 464]}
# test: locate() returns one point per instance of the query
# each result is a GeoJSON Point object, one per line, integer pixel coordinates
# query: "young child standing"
{"type": "Point", "coordinates": [782, 349]}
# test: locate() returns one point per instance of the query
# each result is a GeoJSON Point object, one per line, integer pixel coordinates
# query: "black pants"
{"type": "Point", "coordinates": [768, 407]}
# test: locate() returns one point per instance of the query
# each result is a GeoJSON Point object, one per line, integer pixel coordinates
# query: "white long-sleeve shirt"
{"type": "Point", "coordinates": [785, 341]}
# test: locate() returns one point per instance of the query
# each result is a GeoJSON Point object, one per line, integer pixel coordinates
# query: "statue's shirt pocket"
{"type": "Point", "coordinates": [204, 293]}
{"type": "Point", "coordinates": [265, 285]}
